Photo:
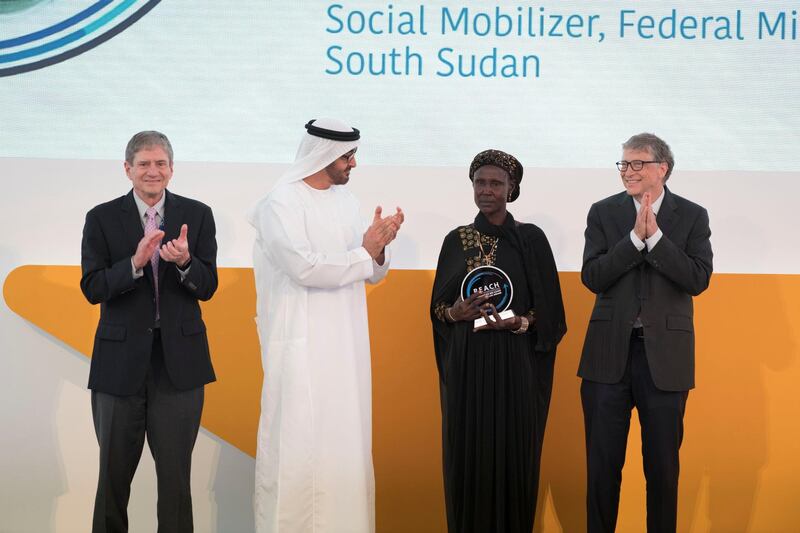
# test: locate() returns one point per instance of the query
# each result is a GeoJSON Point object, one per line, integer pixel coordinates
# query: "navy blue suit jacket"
{"type": "Point", "coordinates": [124, 338]}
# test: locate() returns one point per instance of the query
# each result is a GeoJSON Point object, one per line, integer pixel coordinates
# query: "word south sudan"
{"type": "Point", "coordinates": [450, 41]}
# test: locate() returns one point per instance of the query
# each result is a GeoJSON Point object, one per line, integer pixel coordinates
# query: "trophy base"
{"type": "Point", "coordinates": [479, 322]}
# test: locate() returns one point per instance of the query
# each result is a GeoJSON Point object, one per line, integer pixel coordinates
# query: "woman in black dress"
{"type": "Point", "coordinates": [495, 381]}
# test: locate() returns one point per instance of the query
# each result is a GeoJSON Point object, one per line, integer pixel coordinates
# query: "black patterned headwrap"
{"type": "Point", "coordinates": [500, 159]}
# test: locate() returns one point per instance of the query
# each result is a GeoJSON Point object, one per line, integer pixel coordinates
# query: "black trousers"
{"type": "Point", "coordinates": [170, 419]}
{"type": "Point", "coordinates": [607, 415]}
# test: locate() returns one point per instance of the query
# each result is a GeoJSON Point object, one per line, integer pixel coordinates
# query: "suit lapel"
{"type": "Point", "coordinates": [666, 216]}
{"type": "Point", "coordinates": [625, 214]}
{"type": "Point", "coordinates": [131, 224]}
{"type": "Point", "coordinates": [173, 215]}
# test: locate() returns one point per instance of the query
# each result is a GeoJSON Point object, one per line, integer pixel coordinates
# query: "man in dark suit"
{"type": "Point", "coordinates": [647, 254]}
{"type": "Point", "coordinates": [147, 258]}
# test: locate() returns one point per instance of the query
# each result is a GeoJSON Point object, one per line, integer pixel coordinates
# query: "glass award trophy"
{"type": "Point", "coordinates": [493, 282]}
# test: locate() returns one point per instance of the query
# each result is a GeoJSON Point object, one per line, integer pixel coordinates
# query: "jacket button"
{"type": "Point", "coordinates": [149, 330]}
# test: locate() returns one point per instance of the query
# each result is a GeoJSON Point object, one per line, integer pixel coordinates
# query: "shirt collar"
{"type": "Point", "coordinates": [143, 207]}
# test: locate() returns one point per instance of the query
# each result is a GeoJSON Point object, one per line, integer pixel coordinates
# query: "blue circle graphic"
{"type": "Point", "coordinates": [484, 275]}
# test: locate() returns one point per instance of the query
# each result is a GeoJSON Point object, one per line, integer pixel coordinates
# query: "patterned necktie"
{"type": "Point", "coordinates": [149, 227]}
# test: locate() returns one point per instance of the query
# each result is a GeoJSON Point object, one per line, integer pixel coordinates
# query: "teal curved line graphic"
{"type": "Point", "coordinates": [84, 45]}
{"type": "Point", "coordinates": [55, 28]}
{"type": "Point", "coordinates": [72, 37]}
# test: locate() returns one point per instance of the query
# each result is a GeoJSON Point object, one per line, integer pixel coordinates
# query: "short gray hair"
{"type": "Point", "coordinates": [147, 139]}
{"type": "Point", "coordinates": [655, 145]}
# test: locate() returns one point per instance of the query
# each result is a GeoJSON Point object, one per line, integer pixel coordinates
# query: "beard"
{"type": "Point", "coordinates": [336, 175]}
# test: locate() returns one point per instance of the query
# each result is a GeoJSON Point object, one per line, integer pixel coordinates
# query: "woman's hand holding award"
{"type": "Point", "coordinates": [495, 292]}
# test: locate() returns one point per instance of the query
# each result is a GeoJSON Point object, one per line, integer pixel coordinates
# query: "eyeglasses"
{"type": "Point", "coordinates": [636, 165]}
{"type": "Point", "coordinates": [350, 156]}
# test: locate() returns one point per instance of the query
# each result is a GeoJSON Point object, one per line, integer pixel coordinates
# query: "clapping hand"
{"type": "Point", "coordinates": [146, 247]}
{"type": "Point", "coordinates": [177, 250]}
{"type": "Point", "coordinates": [381, 232]}
{"type": "Point", "coordinates": [640, 227]}
{"type": "Point", "coordinates": [645, 226]}
{"type": "Point", "coordinates": [652, 226]}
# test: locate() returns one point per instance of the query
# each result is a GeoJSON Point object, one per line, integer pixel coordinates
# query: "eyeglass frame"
{"type": "Point", "coordinates": [350, 156]}
{"type": "Point", "coordinates": [632, 166]}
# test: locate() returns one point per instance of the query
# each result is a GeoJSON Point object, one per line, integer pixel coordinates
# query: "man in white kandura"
{"type": "Point", "coordinates": [312, 255]}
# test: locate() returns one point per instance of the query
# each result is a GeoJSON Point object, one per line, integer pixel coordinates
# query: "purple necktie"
{"type": "Point", "coordinates": [149, 227]}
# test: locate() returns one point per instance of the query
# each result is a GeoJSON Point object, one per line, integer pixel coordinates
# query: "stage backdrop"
{"type": "Point", "coordinates": [430, 83]}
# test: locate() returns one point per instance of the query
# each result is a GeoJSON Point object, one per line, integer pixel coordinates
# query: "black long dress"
{"type": "Point", "coordinates": [494, 385]}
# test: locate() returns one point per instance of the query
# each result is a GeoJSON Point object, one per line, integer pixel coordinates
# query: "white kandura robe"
{"type": "Point", "coordinates": [314, 456]}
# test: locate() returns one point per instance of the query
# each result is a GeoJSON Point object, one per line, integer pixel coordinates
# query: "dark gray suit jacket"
{"type": "Point", "coordinates": [657, 286]}
{"type": "Point", "coordinates": [124, 337]}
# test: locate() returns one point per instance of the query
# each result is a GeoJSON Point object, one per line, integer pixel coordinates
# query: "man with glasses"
{"type": "Point", "coordinates": [312, 257]}
{"type": "Point", "coordinates": [647, 254]}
